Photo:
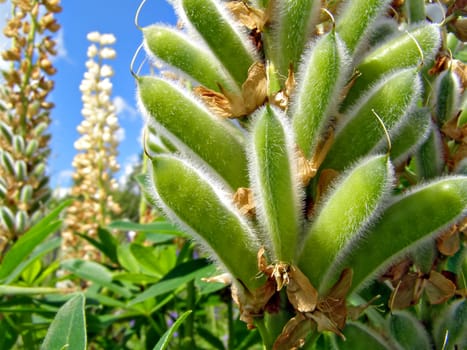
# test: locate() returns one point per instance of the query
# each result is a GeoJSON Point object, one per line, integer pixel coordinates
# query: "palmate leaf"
{"type": "Point", "coordinates": [68, 329]}
{"type": "Point", "coordinates": [163, 343]}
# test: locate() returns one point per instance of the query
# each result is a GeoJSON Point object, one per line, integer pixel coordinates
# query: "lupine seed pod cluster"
{"type": "Point", "coordinates": [25, 115]}
{"type": "Point", "coordinates": [96, 161]}
{"type": "Point", "coordinates": [309, 150]}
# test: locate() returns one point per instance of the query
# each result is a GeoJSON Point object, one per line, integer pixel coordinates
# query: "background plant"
{"type": "Point", "coordinates": [25, 116]}
{"type": "Point", "coordinates": [96, 162]}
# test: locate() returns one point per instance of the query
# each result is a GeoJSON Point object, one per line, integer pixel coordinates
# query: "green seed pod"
{"type": "Point", "coordinates": [21, 221]}
{"type": "Point", "coordinates": [26, 193]}
{"type": "Point", "coordinates": [414, 10]}
{"type": "Point", "coordinates": [31, 147]}
{"type": "Point", "coordinates": [39, 129]}
{"type": "Point", "coordinates": [356, 18]}
{"type": "Point", "coordinates": [462, 120]}
{"type": "Point", "coordinates": [180, 52]}
{"type": "Point", "coordinates": [446, 96]}
{"type": "Point", "coordinates": [39, 169]}
{"type": "Point", "coordinates": [21, 170]}
{"type": "Point", "coordinates": [360, 337]}
{"type": "Point", "coordinates": [322, 75]}
{"type": "Point", "coordinates": [204, 209]}
{"type": "Point", "coordinates": [193, 129]}
{"type": "Point", "coordinates": [3, 191]}
{"type": "Point", "coordinates": [275, 183]}
{"type": "Point", "coordinates": [451, 327]}
{"type": "Point", "coordinates": [6, 160]}
{"type": "Point", "coordinates": [18, 144]}
{"type": "Point", "coordinates": [405, 225]}
{"type": "Point", "coordinates": [291, 31]}
{"type": "Point", "coordinates": [220, 32]}
{"type": "Point", "coordinates": [407, 332]}
{"type": "Point", "coordinates": [409, 136]}
{"type": "Point", "coordinates": [401, 51]}
{"type": "Point", "coordinates": [353, 201]}
{"type": "Point", "coordinates": [361, 132]}
{"type": "Point", "coordinates": [429, 160]}
{"type": "Point", "coordinates": [7, 219]}
{"type": "Point", "coordinates": [6, 132]}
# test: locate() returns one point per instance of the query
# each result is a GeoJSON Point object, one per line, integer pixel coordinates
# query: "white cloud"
{"type": "Point", "coordinates": [62, 52]}
{"type": "Point", "coordinates": [124, 109]}
{"type": "Point", "coordinates": [65, 177]}
{"type": "Point", "coordinates": [61, 192]}
{"type": "Point", "coordinates": [120, 135]}
{"type": "Point", "coordinates": [127, 168]}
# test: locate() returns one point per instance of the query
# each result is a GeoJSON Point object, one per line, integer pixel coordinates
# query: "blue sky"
{"type": "Point", "coordinates": [78, 18]}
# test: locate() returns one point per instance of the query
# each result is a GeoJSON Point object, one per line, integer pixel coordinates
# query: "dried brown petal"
{"type": "Point", "coordinates": [407, 291]}
{"type": "Point", "coordinates": [243, 199]}
{"type": "Point", "coordinates": [448, 242]}
{"type": "Point", "coordinates": [302, 295]}
{"type": "Point", "coordinates": [254, 89]}
{"type": "Point", "coordinates": [324, 323]}
{"type": "Point", "coordinates": [294, 333]}
{"type": "Point", "coordinates": [438, 288]}
{"type": "Point", "coordinates": [304, 167]}
{"type": "Point", "coordinates": [326, 177]}
{"type": "Point", "coordinates": [395, 273]}
{"type": "Point", "coordinates": [230, 105]}
{"type": "Point", "coordinates": [225, 278]}
{"type": "Point", "coordinates": [250, 17]}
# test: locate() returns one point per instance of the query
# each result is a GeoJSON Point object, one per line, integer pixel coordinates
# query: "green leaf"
{"type": "Point", "coordinates": [19, 290]}
{"type": "Point", "coordinates": [163, 343]}
{"type": "Point", "coordinates": [39, 252]}
{"type": "Point", "coordinates": [68, 329]}
{"type": "Point", "coordinates": [92, 271]}
{"type": "Point", "coordinates": [161, 226]}
{"type": "Point", "coordinates": [179, 276]}
{"type": "Point", "coordinates": [30, 240]}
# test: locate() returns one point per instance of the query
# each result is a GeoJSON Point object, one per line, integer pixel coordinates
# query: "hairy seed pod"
{"type": "Point", "coordinates": [429, 160]}
{"type": "Point", "coordinates": [275, 184]}
{"type": "Point", "coordinates": [180, 52]}
{"type": "Point", "coordinates": [353, 201]}
{"type": "Point", "coordinates": [7, 219]}
{"type": "Point", "coordinates": [409, 136]}
{"type": "Point", "coordinates": [21, 170]}
{"type": "Point", "coordinates": [39, 169]}
{"type": "Point", "coordinates": [360, 337]}
{"type": "Point", "coordinates": [18, 144]}
{"type": "Point", "coordinates": [406, 224]}
{"type": "Point", "coordinates": [451, 326]}
{"type": "Point", "coordinates": [26, 193]}
{"type": "Point", "coordinates": [446, 96]}
{"type": "Point", "coordinates": [356, 19]}
{"type": "Point", "coordinates": [193, 129]}
{"type": "Point", "coordinates": [462, 120]}
{"type": "Point", "coordinates": [400, 51]}
{"type": "Point", "coordinates": [3, 191]}
{"type": "Point", "coordinates": [31, 147]}
{"type": "Point", "coordinates": [390, 100]}
{"type": "Point", "coordinates": [21, 221]}
{"type": "Point", "coordinates": [205, 211]}
{"type": "Point", "coordinates": [6, 132]}
{"type": "Point", "coordinates": [39, 129]}
{"type": "Point", "coordinates": [322, 74]}
{"type": "Point", "coordinates": [215, 25]}
{"type": "Point", "coordinates": [6, 160]}
{"type": "Point", "coordinates": [291, 31]}
{"type": "Point", "coordinates": [408, 332]}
